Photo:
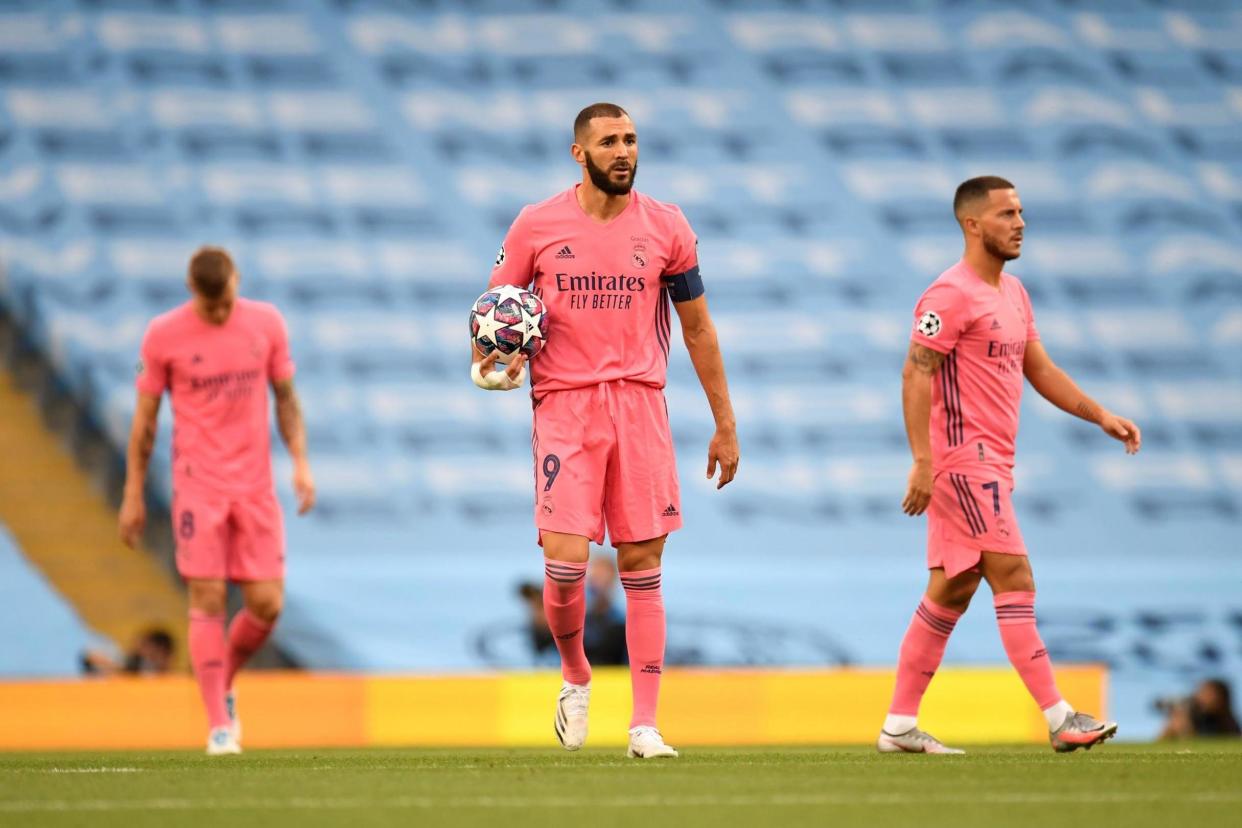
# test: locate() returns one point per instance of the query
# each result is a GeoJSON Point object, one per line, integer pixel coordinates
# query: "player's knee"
{"type": "Point", "coordinates": [208, 596]}
{"type": "Point", "coordinates": [638, 557]}
{"type": "Point", "coordinates": [266, 607]}
{"type": "Point", "coordinates": [1008, 573]}
{"type": "Point", "coordinates": [953, 593]}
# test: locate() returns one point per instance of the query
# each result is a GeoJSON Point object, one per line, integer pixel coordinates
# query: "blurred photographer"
{"type": "Point", "coordinates": [151, 654]}
{"type": "Point", "coordinates": [1207, 712]}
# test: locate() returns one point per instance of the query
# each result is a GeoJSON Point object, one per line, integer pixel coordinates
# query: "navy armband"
{"type": "Point", "coordinates": [684, 286]}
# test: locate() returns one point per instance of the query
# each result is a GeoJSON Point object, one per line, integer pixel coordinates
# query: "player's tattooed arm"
{"type": "Point", "coordinates": [133, 517]}
{"type": "Point", "coordinates": [699, 334]}
{"type": "Point", "coordinates": [293, 432]}
{"type": "Point", "coordinates": [921, 365]}
{"type": "Point", "coordinates": [1056, 386]}
{"type": "Point", "coordinates": [927, 360]}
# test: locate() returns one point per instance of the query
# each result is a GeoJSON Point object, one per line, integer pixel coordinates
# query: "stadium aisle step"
{"type": "Point", "coordinates": [68, 531]}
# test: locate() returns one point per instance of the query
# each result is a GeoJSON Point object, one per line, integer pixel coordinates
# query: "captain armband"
{"type": "Point", "coordinates": [683, 287]}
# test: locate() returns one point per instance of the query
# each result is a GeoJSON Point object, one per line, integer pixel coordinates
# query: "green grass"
{"type": "Point", "coordinates": [1199, 784]}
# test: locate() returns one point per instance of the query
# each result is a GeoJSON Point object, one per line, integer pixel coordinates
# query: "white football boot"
{"type": "Point", "coordinates": [230, 703]}
{"type": "Point", "coordinates": [220, 742]}
{"type": "Point", "coordinates": [912, 741]}
{"type": "Point", "coordinates": [1080, 730]}
{"type": "Point", "coordinates": [571, 715]}
{"type": "Point", "coordinates": [647, 743]}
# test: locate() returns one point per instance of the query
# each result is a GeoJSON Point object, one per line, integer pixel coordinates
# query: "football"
{"type": "Point", "coordinates": [510, 320]}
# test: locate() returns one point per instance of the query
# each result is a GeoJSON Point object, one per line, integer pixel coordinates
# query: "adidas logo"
{"type": "Point", "coordinates": [995, 325]}
{"type": "Point", "coordinates": [671, 511]}
{"type": "Point", "coordinates": [565, 253]}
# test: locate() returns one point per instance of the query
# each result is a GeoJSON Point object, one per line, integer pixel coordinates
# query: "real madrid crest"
{"type": "Point", "coordinates": [639, 258]}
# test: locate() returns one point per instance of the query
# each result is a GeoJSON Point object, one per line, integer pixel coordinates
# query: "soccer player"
{"type": "Point", "coordinates": [974, 340]}
{"type": "Point", "coordinates": [216, 355]}
{"type": "Point", "coordinates": [607, 260]}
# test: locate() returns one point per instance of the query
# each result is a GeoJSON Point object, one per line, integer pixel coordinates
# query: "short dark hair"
{"type": "Point", "coordinates": [976, 188]}
{"type": "Point", "coordinates": [160, 638]}
{"type": "Point", "coordinates": [597, 110]}
{"type": "Point", "coordinates": [210, 270]}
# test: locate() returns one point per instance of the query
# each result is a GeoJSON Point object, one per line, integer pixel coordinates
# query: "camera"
{"type": "Point", "coordinates": [1167, 704]}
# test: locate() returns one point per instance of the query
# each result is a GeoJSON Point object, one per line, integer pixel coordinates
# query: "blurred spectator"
{"type": "Point", "coordinates": [1207, 712]}
{"type": "Point", "coordinates": [541, 642]}
{"type": "Point", "coordinates": [151, 654]}
{"type": "Point", "coordinates": [604, 635]}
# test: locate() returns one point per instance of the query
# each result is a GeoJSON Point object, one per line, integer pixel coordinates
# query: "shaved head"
{"type": "Point", "coordinates": [595, 110]}
{"type": "Point", "coordinates": [974, 192]}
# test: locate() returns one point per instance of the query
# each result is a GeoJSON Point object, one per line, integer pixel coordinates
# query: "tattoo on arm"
{"type": "Point", "coordinates": [1088, 410]}
{"type": "Point", "coordinates": [146, 442]}
{"type": "Point", "coordinates": [925, 359]}
{"type": "Point", "coordinates": [289, 416]}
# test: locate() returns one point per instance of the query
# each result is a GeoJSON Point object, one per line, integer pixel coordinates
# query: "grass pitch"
{"type": "Point", "coordinates": [1198, 784]}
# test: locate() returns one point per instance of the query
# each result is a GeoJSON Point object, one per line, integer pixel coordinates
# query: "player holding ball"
{"type": "Point", "coordinates": [607, 262]}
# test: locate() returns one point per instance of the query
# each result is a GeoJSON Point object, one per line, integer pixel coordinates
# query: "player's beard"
{"type": "Point", "coordinates": [599, 177]}
{"type": "Point", "coordinates": [994, 249]}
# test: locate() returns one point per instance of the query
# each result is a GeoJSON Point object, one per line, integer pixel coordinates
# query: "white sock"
{"type": "Point", "coordinates": [1058, 713]}
{"type": "Point", "coordinates": [895, 725]}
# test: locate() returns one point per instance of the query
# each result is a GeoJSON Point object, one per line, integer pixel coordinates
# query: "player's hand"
{"type": "Point", "coordinates": [918, 489]}
{"type": "Point", "coordinates": [723, 450]}
{"type": "Point", "coordinates": [304, 487]}
{"type": "Point", "coordinates": [1119, 428]}
{"type": "Point", "coordinates": [486, 376]}
{"type": "Point", "coordinates": [132, 520]}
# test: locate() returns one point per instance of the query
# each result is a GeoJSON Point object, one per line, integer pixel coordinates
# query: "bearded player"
{"type": "Point", "coordinates": [607, 261]}
{"type": "Point", "coordinates": [216, 355]}
{"type": "Point", "coordinates": [974, 340]}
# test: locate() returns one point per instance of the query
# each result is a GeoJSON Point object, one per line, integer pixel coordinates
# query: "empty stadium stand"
{"type": "Point", "coordinates": [53, 636]}
{"type": "Point", "coordinates": [363, 158]}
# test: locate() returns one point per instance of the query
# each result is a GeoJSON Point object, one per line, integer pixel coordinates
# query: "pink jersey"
{"type": "Point", "coordinates": [977, 394]}
{"type": "Point", "coordinates": [603, 285]}
{"type": "Point", "coordinates": [217, 376]}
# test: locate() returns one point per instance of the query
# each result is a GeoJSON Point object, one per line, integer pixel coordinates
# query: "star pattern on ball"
{"type": "Point", "coordinates": [531, 325]}
{"type": "Point", "coordinates": [489, 324]}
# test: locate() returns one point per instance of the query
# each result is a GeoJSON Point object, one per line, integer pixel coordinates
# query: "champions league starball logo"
{"type": "Point", "coordinates": [929, 324]}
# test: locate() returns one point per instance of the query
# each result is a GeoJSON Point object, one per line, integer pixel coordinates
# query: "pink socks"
{"type": "Point", "coordinates": [644, 636]}
{"type": "Point", "coordinates": [921, 652]}
{"type": "Point", "coordinates": [1015, 616]}
{"type": "Point", "coordinates": [246, 635]}
{"type": "Point", "coordinates": [564, 603]}
{"type": "Point", "coordinates": [207, 657]}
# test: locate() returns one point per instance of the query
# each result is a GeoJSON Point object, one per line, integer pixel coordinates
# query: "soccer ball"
{"type": "Point", "coordinates": [510, 320]}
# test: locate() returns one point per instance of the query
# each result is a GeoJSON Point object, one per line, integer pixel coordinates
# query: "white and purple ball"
{"type": "Point", "coordinates": [510, 320]}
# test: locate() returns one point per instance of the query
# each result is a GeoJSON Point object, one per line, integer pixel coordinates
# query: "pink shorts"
{"type": "Point", "coordinates": [969, 515]}
{"type": "Point", "coordinates": [233, 537]}
{"type": "Point", "coordinates": [604, 457]}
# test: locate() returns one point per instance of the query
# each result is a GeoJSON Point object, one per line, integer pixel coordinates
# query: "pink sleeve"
{"type": "Point", "coordinates": [152, 367]}
{"type": "Point", "coordinates": [515, 263]}
{"type": "Point", "coordinates": [684, 252]}
{"type": "Point", "coordinates": [279, 362]}
{"type": "Point", "coordinates": [941, 316]}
